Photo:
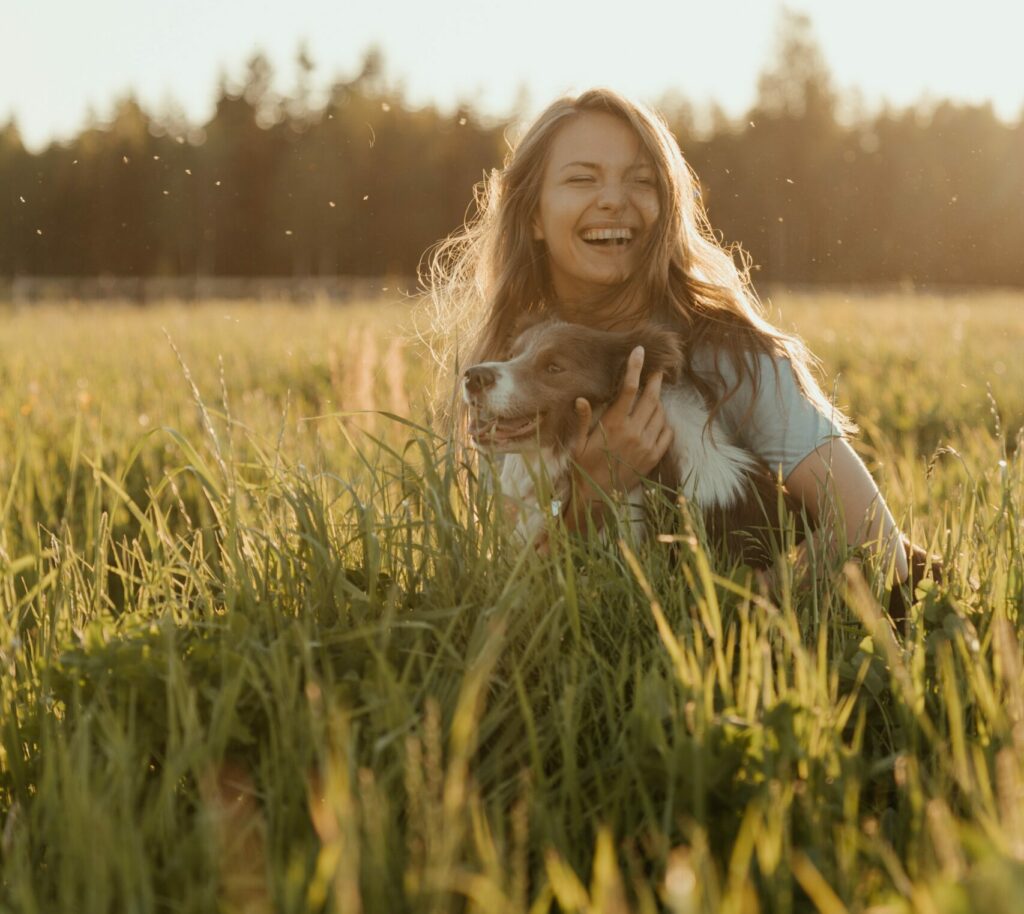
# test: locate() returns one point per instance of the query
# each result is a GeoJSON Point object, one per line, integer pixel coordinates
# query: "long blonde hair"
{"type": "Point", "coordinates": [482, 278]}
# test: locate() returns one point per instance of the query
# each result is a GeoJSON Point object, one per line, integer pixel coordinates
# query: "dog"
{"type": "Point", "coordinates": [524, 407]}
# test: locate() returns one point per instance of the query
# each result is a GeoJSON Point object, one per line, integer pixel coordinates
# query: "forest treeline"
{"type": "Point", "coordinates": [363, 183]}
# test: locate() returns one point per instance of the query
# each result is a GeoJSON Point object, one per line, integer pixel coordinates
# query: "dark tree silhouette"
{"type": "Point", "coordinates": [361, 183]}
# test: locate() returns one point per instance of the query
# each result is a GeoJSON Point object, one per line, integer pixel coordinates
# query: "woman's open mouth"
{"type": "Point", "coordinates": [503, 430]}
{"type": "Point", "coordinates": [609, 238]}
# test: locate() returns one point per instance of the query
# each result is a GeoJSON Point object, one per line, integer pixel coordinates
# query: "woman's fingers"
{"type": "Point", "coordinates": [626, 399]}
{"type": "Point", "coordinates": [664, 440]}
{"type": "Point", "coordinates": [583, 416]}
{"type": "Point", "coordinates": [648, 405]}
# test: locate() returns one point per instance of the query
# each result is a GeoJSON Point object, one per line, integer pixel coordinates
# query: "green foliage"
{"type": "Point", "coordinates": [269, 651]}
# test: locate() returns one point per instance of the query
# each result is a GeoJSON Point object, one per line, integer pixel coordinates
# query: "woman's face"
{"type": "Point", "coordinates": [598, 200]}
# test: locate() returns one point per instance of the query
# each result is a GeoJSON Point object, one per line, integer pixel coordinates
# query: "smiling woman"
{"type": "Point", "coordinates": [598, 203]}
{"type": "Point", "coordinates": [596, 219]}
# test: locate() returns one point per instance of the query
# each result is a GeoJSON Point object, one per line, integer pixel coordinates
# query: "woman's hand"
{"type": "Point", "coordinates": [629, 440]}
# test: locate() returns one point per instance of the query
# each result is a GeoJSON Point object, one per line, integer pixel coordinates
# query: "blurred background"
{"type": "Point", "coordinates": [322, 147]}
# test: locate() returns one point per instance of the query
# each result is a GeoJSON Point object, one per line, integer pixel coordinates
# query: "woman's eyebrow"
{"type": "Point", "coordinates": [636, 166]}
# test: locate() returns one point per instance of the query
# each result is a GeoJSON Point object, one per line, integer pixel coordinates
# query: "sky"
{"type": "Point", "coordinates": [65, 58]}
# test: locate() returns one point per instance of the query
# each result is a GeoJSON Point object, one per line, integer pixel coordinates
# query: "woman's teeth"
{"type": "Point", "coordinates": [605, 237]}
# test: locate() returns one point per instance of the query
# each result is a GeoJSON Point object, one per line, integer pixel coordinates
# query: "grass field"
{"type": "Point", "coordinates": [257, 656]}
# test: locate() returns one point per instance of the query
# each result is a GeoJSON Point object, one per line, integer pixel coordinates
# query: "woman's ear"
{"type": "Point", "coordinates": [538, 232]}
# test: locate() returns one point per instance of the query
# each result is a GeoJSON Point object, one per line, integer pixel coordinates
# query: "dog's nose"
{"type": "Point", "coordinates": [479, 378]}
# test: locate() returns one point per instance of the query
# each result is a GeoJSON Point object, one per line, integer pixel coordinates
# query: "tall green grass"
{"type": "Point", "coordinates": [266, 651]}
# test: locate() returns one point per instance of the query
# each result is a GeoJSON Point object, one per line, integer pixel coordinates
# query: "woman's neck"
{"type": "Point", "coordinates": [601, 314]}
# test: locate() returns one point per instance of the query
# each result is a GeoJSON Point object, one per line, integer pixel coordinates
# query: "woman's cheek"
{"type": "Point", "coordinates": [649, 205]}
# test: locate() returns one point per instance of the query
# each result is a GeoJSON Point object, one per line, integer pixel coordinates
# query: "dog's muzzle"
{"type": "Point", "coordinates": [479, 378]}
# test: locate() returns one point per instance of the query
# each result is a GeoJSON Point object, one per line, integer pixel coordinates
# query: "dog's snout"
{"type": "Point", "coordinates": [479, 378]}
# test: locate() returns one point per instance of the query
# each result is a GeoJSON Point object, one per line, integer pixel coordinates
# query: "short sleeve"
{"type": "Point", "coordinates": [778, 424]}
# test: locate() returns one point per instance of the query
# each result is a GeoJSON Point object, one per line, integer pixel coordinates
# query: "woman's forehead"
{"type": "Point", "coordinates": [597, 140]}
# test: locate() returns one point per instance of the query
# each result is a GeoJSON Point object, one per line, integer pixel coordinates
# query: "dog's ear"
{"type": "Point", "coordinates": [663, 351]}
{"type": "Point", "coordinates": [520, 323]}
{"type": "Point", "coordinates": [527, 318]}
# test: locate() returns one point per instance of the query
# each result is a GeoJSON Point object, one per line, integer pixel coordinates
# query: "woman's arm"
{"type": "Point", "coordinates": [633, 435]}
{"type": "Point", "coordinates": [836, 487]}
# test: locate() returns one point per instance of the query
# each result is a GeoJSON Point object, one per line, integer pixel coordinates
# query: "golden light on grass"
{"type": "Point", "coordinates": [245, 663]}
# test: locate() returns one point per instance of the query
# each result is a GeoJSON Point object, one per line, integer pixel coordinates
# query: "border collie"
{"type": "Point", "coordinates": [524, 407]}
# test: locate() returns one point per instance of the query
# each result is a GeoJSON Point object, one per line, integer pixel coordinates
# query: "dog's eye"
{"type": "Point", "coordinates": [554, 368]}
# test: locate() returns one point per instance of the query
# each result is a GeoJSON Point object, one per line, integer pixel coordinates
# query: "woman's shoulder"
{"type": "Point", "coordinates": [773, 416]}
{"type": "Point", "coordinates": [718, 364]}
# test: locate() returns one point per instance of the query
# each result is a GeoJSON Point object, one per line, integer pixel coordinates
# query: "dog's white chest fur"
{"type": "Point", "coordinates": [712, 470]}
{"type": "Point", "coordinates": [537, 482]}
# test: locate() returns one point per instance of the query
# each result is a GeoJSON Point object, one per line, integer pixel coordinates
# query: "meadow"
{"type": "Point", "coordinates": [267, 645]}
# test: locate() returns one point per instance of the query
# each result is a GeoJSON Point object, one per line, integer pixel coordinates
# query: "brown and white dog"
{"type": "Point", "coordinates": [524, 407]}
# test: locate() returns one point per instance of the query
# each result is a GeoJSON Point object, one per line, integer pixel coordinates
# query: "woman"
{"type": "Point", "coordinates": [597, 219]}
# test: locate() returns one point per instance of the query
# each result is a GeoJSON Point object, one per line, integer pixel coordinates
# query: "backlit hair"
{"type": "Point", "coordinates": [484, 277]}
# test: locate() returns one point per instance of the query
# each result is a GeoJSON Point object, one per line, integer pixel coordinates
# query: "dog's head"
{"type": "Point", "coordinates": [529, 399]}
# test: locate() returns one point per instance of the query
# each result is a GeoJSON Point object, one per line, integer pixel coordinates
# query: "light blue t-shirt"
{"type": "Point", "coordinates": [783, 426]}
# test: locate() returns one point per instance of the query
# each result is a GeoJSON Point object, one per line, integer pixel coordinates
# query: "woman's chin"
{"type": "Point", "coordinates": [593, 285]}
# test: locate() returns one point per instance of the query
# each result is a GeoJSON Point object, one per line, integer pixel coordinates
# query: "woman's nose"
{"type": "Point", "coordinates": [612, 197]}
